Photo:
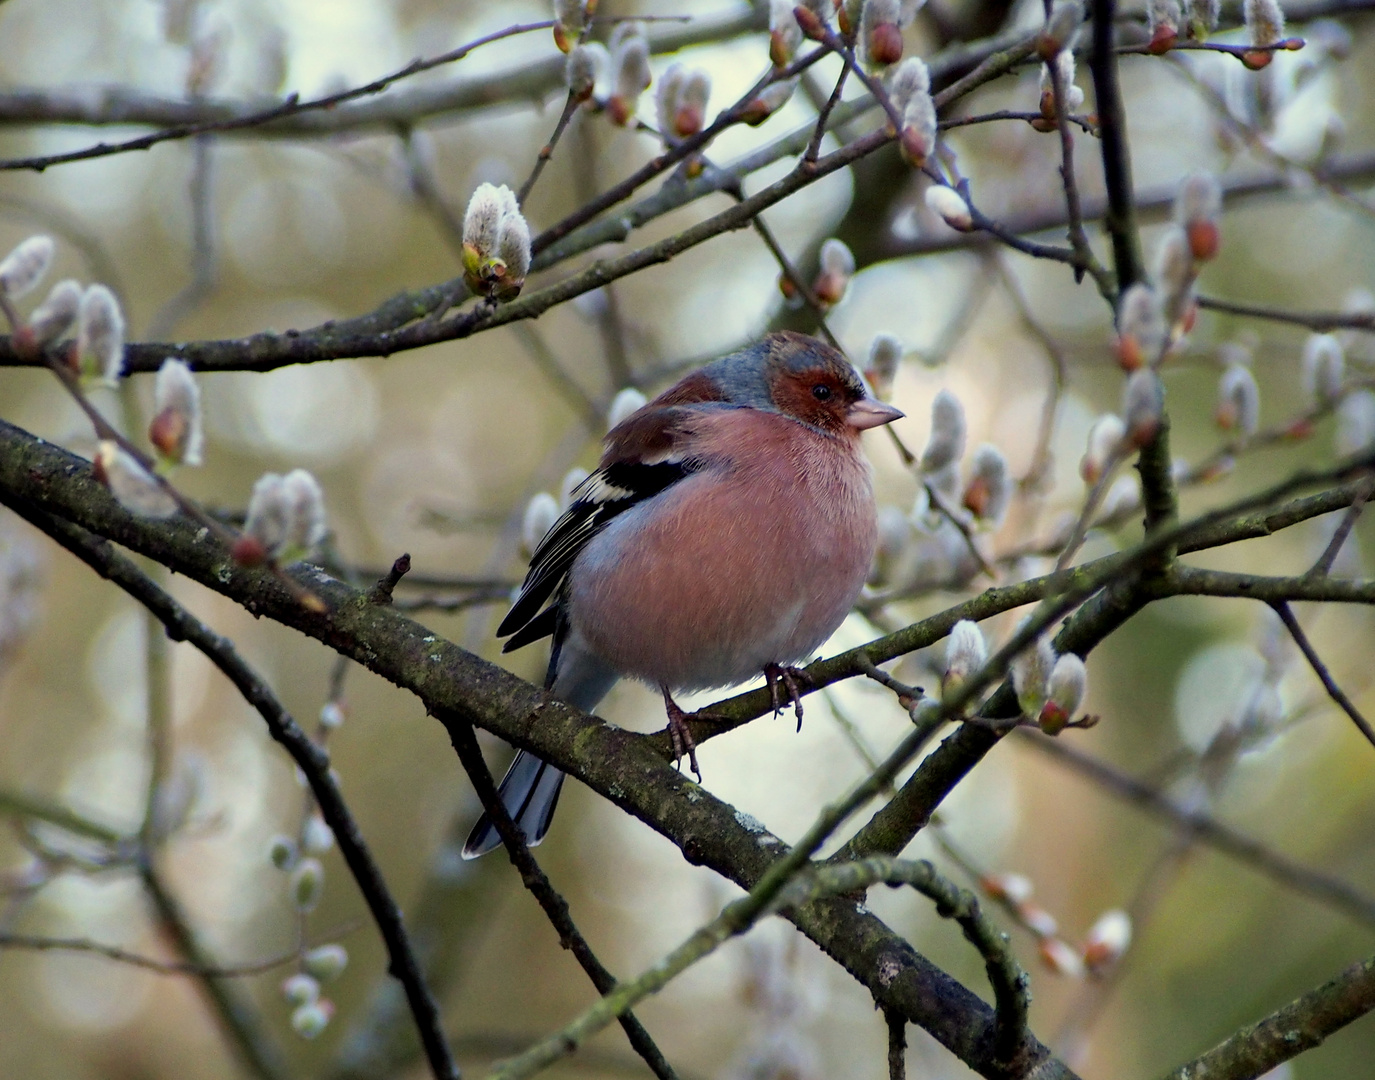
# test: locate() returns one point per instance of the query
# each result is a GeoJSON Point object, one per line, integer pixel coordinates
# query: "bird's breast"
{"type": "Point", "coordinates": [752, 561]}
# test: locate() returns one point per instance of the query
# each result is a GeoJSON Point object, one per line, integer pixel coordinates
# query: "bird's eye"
{"type": "Point", "coordinates": [821, 392]}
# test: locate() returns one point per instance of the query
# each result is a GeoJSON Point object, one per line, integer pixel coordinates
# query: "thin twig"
{"type": "Point", "coordinates": [1310, 654]}
{"type": "Point", "coordinates": [570, 106]}
{"type": "Point", "coordinates": [292, 106]}
{"type": "Point", "coordinates": [897, 1044]}
{"type": "Point", "coordinates": [824, 115]}
{"type": "Point", "coordinates": [148, 963]}
{"type": "Point", "coordinates": [554, 905]}
{"type": "Point", "coordinates": [313, 762]}
{"type": "Point", "coordinates": [1322, 887]}
{"type": "Point", "coordinates": [1317, 321]}
{"type": "Point", "coordinates": [1334, 546]}
{"type": "Point", "coordinates": [1078, 239]}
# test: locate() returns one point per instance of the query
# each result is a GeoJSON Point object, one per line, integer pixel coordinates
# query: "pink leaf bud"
{"type": "Point", "coordinates": [909, 79]}
{"type": "Point", "coordinates": [24, 267]}
{"type": "Point", "coordinates": [307, 884]}
{"type": "Point", "coordinates": [316, 835]}
{"type": "Point", "coordinates": [1143, 405]}
{"type": "Point", "coordinates": [885, 354]}
{"type": "Point", "coordinates": [100, 335]}
{"type": "Point", "coordinates": [949, 204]}
{"type": "Point", "coordinates": [837, 265]}
{"type": "Point", "coordinates": [1013, 888]}
{"type": "Point", "coordinates": [769, 100]}
{"type": "Point", "coordinates": [1141, 329]}
{"type": "Point", "coordinates": [630, 76]}
{"type": "Point", "coordinates": [1030, 675]}
{"type": "Point", "coordinates": [1074, 96]}
{"type": "Point", "coordinates": [281, 852]}
{"type": "Point", "coordinates": [584, 67]}
{"type": "Point", "coordinates": [1355, 423]}
{"type": "Point", "coordinates": [813, 16]}
{"type": "Point", "coordinates": [300, 989]}
{"type": "Point", "coordinates": [286, 518]}
{"type": "Point", "coordinates": [1106, 439]}
{"type": "Point", "coordinates": [1264, 20]}
{"type": "Point", "coordinates": [326, 962]}
{"type": "Point", "coordinates": [666, 96]}
{"type": "Point", "coordinates": [880, 32]}
{"type": "Point", "coordinates": [1197, 210]}
{"type": "Point", "coordinates": [784, 33]}
{"type": "Point", "coordinates": [568, 487]}
{"type": "Point", "coordinates": [55, 316]}
{"type": "Point", "coordinates": [1038, 920]}
{"type": "Point", "coordinates": [990, 485]}
{"type": "Point", "coordinates": [1060, 958]}
{"type": "Point", "coordinates": [1174, 274]}
{"type": "Point", "coordinates": [1324, 368]}
{"type": "Point", "coordinates": [965, 653]}
{"type": "Point", "coordinates": [623, 404]}
{"type": "Point", "coordinates": [1062, 26]}
{"type": "Point", "coordinates": [1238, 400]}
{"type": "Point", "coordinates": [1162, 19]}
{"type": "Point", "coordinates": [917, 139]}
{"type": "Point", "coordinates": [1108, 939]}
{"type": "Point", "coordinates": [1065, 690]}
{"type": "Point", "coordinates": [945, 447]}
{"type": "Point", "coordinates": [540, 514]}
{"type": "Point", "coordinates": [133, 486]}
{"type": "Point", "coordinates": [177, 429]}
{"type": "Point", "coordinates": [570, 18]}
{"type": "Point", "coordinates": [692, 103]}
{"type": "Point", "coordinates": [332, 715]}
{"type": "Point", "coordinates": [310, 1021]}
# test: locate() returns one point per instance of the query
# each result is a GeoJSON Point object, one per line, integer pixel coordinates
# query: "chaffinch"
{"type": "Point", "coordinates": [726, 532]}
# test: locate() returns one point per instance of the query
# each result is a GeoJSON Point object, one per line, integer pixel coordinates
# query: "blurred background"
{"type": "Point", "coordinates": [436, 453]}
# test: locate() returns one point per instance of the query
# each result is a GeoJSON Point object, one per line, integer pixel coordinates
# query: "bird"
{"type": "Point", "coordinates": [726, 532]}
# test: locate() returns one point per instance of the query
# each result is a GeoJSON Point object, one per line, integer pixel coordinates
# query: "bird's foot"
{"type": "Point", "coordinates": [789, 676]}
{"type": "Point", "coordinates": [681, 734]}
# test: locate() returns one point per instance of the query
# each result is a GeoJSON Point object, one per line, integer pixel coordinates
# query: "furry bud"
{"type": "Point", "coordinates": [133, 486]}
{"type": "Point", "coordinates": [623, 404]}
{"type": "Point", "coordinates": [1108, 939]}
{"type": "Point", "coordinates": [1324, 368]}
{"type": "Point", "coordinates": [989, 490]}
{"type": "Point", "coordinates": [584, 67]}
{"type": "Point", "coordinates": [540, 514]}
{"type": "Point", "coordinates": [24, 267]}
{"type": "Point", "coordinates": [1238, 400]}
{"type": "Point", "coordinates": [950, 205]}
{"type": "Point", "coordinates": [100, 336]}
{"type": "Point", "coordinates": [965, 653]}
{"type": "Point", "coordinates": [1143, 405]}
{"type": "Point", "coordinates": [1106, 438]}
{"type": "Point", "coordinates": [945, 446]}
{"type": "Point", "coordinates": [885, 354]}
{"type": "Point", "coordinates": [1141, 329]}
{"type": "Point", "coordinates": [1065, 691]}
{"type": "Point", "coordinates": [177, 429]}
{"type": "Point", "coordinates": [55, 316]}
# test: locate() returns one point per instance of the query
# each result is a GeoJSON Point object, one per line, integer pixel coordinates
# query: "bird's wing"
{"type": "Point", "coordinates": [645, 455]}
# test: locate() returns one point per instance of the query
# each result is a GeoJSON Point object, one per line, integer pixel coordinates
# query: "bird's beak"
{"type": "Point", "coordinates": [870, 413]}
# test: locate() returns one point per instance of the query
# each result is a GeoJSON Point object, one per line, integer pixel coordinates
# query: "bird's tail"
{"type": "Point", "coordinates": [529, 791]}
{"type": "Point", "coordinates": [530, 788]}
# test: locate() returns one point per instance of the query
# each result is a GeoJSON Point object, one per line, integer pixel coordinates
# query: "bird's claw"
{"type": "Point", "coordinates": [681, 735]}
{"type": "Point", "coordinates": [789, 676]}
